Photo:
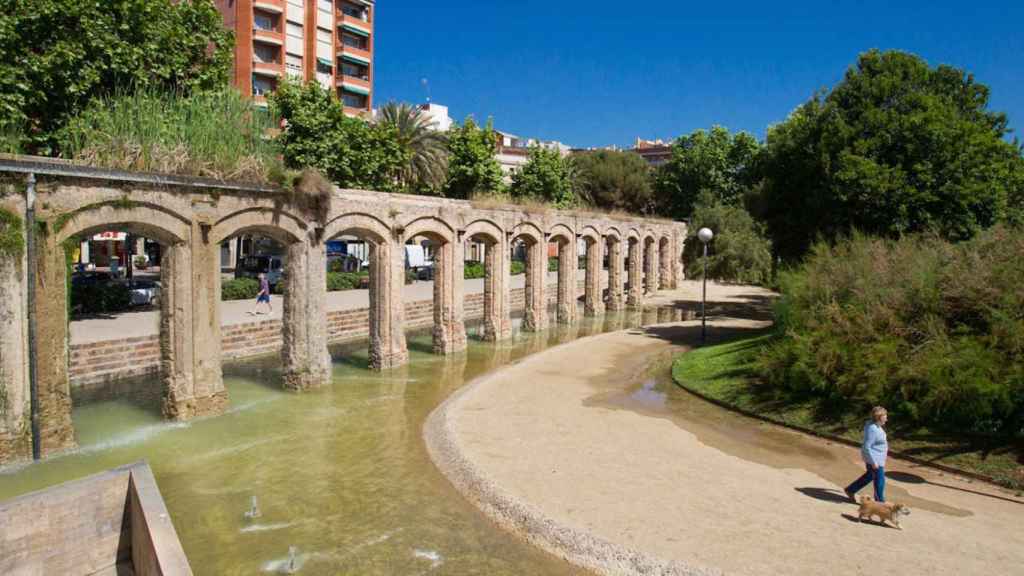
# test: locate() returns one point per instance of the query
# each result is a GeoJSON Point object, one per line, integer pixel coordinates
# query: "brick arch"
{"type": "Point", "coordinates": [146, 220]}
{"type": "Point", "coordinates": [486, 228]}
{"type": "Point", "coordinates": [530, 231]}
{"type": "Point", "coordinates": [361, 224]}
{"type": "Point", "coordinates": [281, 226]}
{"type": "Point", "coordinates": [429, 226]}
{"type": "Point", "coordinates": [561, 231]}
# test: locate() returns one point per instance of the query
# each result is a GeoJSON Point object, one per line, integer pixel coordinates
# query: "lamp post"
{"type": "Point", "coordinates": [705, 235]}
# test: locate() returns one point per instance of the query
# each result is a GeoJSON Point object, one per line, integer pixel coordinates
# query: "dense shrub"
{"type": "Point", "coordinates": [239, 289]}
{"type": "Point", "coordinates": [344, 280]}
{"type": "Point", "coordinates": [739, 252]}
{"type": "Point", "coordinates": [552, 264]}
{"type": "Point", "coordinates": [517, 267]}
{"type": "Point", "coordinates": [930, 329]}
{"type": "Point", "coordinates": [99, 298]}
{"type": "Point", "coordinates": [474, 270]}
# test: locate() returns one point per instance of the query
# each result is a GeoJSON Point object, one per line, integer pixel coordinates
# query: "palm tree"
{"type": "Point", "coordinates": [427, 147]}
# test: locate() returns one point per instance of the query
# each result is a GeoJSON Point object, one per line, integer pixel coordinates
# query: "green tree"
{"type": "Point", "coordinates": [714, 161]}
{"type": "Point", "coordinates": [472, 167]}
{"type": "Point", "coordinates": [614, 180]}
{"type": "Point", "coordinates": [896, 147]}
{"type": "Point", "coordinates": [739, 252]}
{"type": "Point", "coordinates": [349, 151]}
{"type": "Point", "coordinates": [60, 54]}
{"type": "Point", "coordinates": [425, 146]}
{"type": "Point", "coordinates": [547, 177]}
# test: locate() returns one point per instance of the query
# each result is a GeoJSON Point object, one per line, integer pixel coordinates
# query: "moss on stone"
{"type": "Point", "coordinates": [12, 237]}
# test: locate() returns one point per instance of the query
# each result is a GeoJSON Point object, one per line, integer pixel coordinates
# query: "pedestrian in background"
{"type": "Point", "coordinates": [263, 297]}
{"type": "Point", "coordinates": [874, 451]}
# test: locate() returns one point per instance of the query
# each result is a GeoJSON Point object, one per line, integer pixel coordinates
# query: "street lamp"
{"type": "Point", "coordinates": [705, 235]}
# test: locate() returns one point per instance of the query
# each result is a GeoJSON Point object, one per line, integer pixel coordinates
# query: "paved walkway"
{"type": "Point", "coordinates": [146, 323]}
{"type": "Point", "coordinates": [625, 491]}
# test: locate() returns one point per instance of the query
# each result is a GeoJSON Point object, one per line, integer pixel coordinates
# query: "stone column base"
{"type": "Point", "coordinates": [15, 447]}
{"type": "Point", "coordinates": [380, 361]}
{"type": "Point", "coordinates": [450, 340]}
{"type": "Point", "coordinates": [189, 408]}
{"type": "Point", "coordinates": [593, 309]}
{"type": "Point", "coordinates": [299, 381]}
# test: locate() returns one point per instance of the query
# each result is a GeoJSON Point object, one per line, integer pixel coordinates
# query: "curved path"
{"type": "Point", "coordinates": [621, 491]}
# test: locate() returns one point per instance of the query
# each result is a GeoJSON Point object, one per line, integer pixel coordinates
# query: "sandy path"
{"type": "Point", "coordinates": [622, 492]}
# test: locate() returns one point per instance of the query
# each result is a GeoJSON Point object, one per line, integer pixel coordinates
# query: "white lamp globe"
{"type": "Point", "coordinates": [705, 235]}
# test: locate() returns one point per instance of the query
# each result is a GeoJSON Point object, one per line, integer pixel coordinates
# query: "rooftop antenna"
{"type": "Point", "coordinates": [426, 86]}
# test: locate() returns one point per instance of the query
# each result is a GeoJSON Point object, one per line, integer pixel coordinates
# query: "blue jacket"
{"type": "Point", "coordinates": [875, 447]}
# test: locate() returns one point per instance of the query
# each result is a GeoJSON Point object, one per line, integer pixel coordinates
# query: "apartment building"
{"type": "Point", "coordinates": [328, 41]}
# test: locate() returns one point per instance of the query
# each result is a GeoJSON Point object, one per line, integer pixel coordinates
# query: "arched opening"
{"type": "Point", "coordinates": [382, 272]}
{"type": "Point", "coordinates": [562, 245]}
{"type": "Point", "coordinates": [634, 287]}
{"type": "Point", "coordinates": [486, 263]}
{"type": "Point", "coordinates": [447, 272]}
{"type": "Point", "coordinates": [665, 264]}
{"type": "Point", "coordinates": [650, 265]}
{"type": "Point", "coordinates": [529, 247]}
{"type": "Point", "coordinates": [616, 299]}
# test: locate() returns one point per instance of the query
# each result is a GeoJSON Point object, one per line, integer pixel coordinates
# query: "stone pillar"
{"type": "Point", "coordinates": [497, 306]}
{"type": "Point", "coordinates": [15, 433]}
{"type": "Point", "coordinates": [665, 266]}
{"type": "Point", "coordinates": [678, 274]}
{"type": "Point", "coordinates": [304, 355]}
{"type": "Point", "coordinates": [615, 297]}
{"type": "Point", "coordinates": [651, 274]}
{"type": "Point", "coordinates": [387, 308]}
{"type": "Point", "coordinates": [635, 293]}
{"type": "Point", "coordinates": [208, 395]}
{"type": "Point", "coordinates": [568, 262]}
{"type": "Point", "coordinates": [449, 328]}
{"type": "Point", "coordinates": [177, 358]}
{"type": "Point", "coordinates": [535, 317]}
{"type": "Point", "coordinates": [593, 304]}
{"type": "Point", "coordinates": [55, 427]}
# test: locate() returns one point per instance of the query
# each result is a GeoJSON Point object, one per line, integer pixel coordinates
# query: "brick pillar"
{"type": "Point", "coordinates": [568, 262]}
{"type": "Point", "coordinates": [651, 274]}
{"type": "Point", "coordinates": [615, 295]}
{"type": "Point", "coordinates": [635, 293]}
{"type": "Point", "coordinates": [535, 316]}
{"type": "Point", "coordinates": [387, 278]}
{"type": "Point", "coordinates": [665, 266]}
{"type": "Point", "coordinates": [207, 395]}
{"type": "Point", "coordinates": [449, 328]}
{"type": "Point", "coordinates": [497, 305]}
{"type": "Point", "coordinates": [304, 355]}
{"type": "Point", "coordinates": [15, 438]}
{"type": "Point", "coordinates": [55, 426]}
{"type": "Point", "coordinates": [593, 304]}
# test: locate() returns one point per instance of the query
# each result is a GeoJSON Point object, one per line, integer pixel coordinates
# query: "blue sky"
{"type": "Point", "coordinates": [596, 73]}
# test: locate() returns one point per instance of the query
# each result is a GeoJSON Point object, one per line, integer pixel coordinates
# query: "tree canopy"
{"type": "Point", "coordinates": [615, 180]}
{"type": "Point", "coordinates": [739, 251]}
{"type": "Point", "coordinates": [546, 176]}
{"type": "Point", "coordinates": [349, 151]}
{"type": "Point", "coordinates": [423, 144]}
{"type": "Point", "coordinates": [896, 147]}
{"type": "Point", "coordinates": [714, 161]}
{"type": "Point", "coordinates": [472, 167]}
{"type": "Point", "coordinates": [60, 54]}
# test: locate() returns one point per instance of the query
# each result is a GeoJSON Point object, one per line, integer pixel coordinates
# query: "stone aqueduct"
{"type": "Point", "coordinates": [192, 217]}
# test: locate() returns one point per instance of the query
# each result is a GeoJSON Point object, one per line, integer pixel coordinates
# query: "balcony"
{"type": "Point", "coordinates": [269, 36]}
{"type": "Point", "coordinates": [356, 54]}
{"type": "Point", "coordinates": [274, 6]}
{"type": "Point", "coordinates": [352, 84]}
{"type": "Point", "coordinates": [353, 13]}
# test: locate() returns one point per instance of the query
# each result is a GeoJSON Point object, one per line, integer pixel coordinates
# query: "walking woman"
{"type": "Point", "coordinates": [874, 451]}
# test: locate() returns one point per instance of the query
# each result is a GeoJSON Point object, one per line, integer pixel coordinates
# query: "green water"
{"type": "Point", "coordinates": [341, 473]}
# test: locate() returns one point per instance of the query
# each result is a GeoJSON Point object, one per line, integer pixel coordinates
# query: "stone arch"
{"type": "Point", "coordinates": [497, 323]}
{"type": "Point", "coordinates": [633, 234]}
{"type": "Point", "coordinates": [486, 228]}
{"type": "Point", "coordinates": [449, 330]}
{"type": "Point", "coordinates": [151, 221]}
{"type": "Point", "coordinates": [562, 231]}
{"type": "Point", "coordinates": [529, 231]}
{"type": "Point", "coordinates": [279, 225]}
{"type": "Point", "coordinates": [590, 232]}
{"type": "Point", "coordinates": [358, 224]}
{"type": "Point", "coordinates": [613, 233]}
{"type": "Point", "coordinates": [535, 316]}
{"type": "Point", "coordinates": [430, 226]}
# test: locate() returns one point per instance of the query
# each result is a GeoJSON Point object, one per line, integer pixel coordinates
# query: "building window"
{"type": "Point", "coordinates": [266, 54]}
{"type": "Point", "coordinates": [353, 11]}
{"type": "Point", "coordinates": [355, 70]}
{"type": "Point", "coordinates": [261, 85]}
{"type": "Point", "coordinates": [293, 64]}
{"type": "Point", "coordinates": [353, 100]}
{"type": "Point", "coordinates": [322, 68]}
{"type": "Point", "coordinates": [353, 41]}
{"type": "Point", "coordinates": [264, 21]}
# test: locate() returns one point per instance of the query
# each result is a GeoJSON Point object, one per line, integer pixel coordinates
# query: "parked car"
{"type": "Point", "coordinates": [90, 278]}
{"type": "Point", "coordinates": [144, 292]}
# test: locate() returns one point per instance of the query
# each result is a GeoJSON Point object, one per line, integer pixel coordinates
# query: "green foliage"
{"type": "Point", "coordinates": [930, 329]}
{"type": "Point", "coordinates": [715, 162]}
{"type": "Point", "coordinates": [349, 151]}
{"type": "Point", "coordinates": [99, 298]}
{"type": "Point", "coordinates": [60, 54]}
{"type": "Point", "coordinates": [12, 235]}
{"type": "Point", "coordinates": [553, 264]}
{"type": "Point", "coordinates": [425, 147]}
{"type": "Point", "coordinates": [474, 270]}
{"type": "Point", "coordinates": [212, 134]}
{"type": "Point", "coordinates": [614, 180]}
{"type": "Point", "coordinates": [472, 168]}
{"type": "Point", "coordinates": [739, 251]}
{"type": "Point", "coordinates": [896, 147]}
{"type": "Point", "coordinates": [517, 267]}
{"type": "Point", "coordinates": [546, 177]}
{"type": "Point", "coordinates": [239, 289]}
{"type": "Point", "coordinates": [337, 281]}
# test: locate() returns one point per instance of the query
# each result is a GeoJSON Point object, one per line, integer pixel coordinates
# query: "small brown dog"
{"type": "Point", "coordinates": [884, 510]}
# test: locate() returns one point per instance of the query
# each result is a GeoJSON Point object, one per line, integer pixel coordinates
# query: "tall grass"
{"type": "Point", "coordinates": [217, 135]}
